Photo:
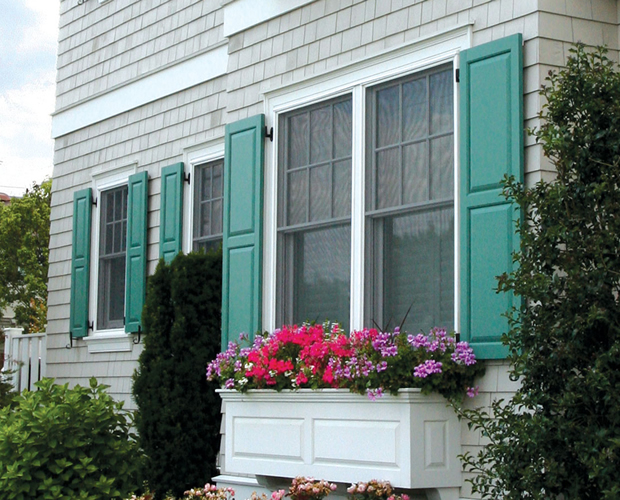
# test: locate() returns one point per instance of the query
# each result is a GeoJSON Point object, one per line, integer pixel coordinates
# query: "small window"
{"type": "Point", "coordinates": [208, 205]}
{"type": "Point", "coordinates": [314, 221]}
{"type": "Point", "coordinates": [410, 201]}
{"type": "Point", "coordinates": [112, 257]}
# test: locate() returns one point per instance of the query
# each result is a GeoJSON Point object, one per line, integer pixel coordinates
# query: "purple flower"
{"type": "Point", "coordinates": [427, 368]}
{"type": "Point", "coordinates": [230, 383]}
{"type": "Point", "coordinates": [463, 354]}
{"type": "Point", "coordinates": [373, 394]}
{"type": "Point", "coordinates": [472, 391]}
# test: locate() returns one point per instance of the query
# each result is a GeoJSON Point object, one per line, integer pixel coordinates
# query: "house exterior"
{"type": "Point", "coordinates": [347, 153]}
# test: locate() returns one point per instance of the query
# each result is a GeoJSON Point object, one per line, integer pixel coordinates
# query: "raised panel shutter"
{"type": "Point", "coordinates": [491, 145]}
{"type": "Point", "coordinates": [135, 281]}
{"type": "Point", "coordinates": [171, 212]}
{"type": "Point", "coordinates": [80, 263]}
{"type": "Point", "coordinates": [242, 245]}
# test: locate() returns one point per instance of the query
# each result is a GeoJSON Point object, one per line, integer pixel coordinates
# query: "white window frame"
{"type": "Point", "coordinates": [114, 339]}
{"type": "Point", "coordinates": [192, 157]}
{"type": "Point", "coordinates": [354, 79]}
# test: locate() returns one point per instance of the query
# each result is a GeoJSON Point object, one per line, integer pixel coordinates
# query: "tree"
{"type": "Point", "coordinates": [560, 433]}
{"type": "Point", "coordinates": [24, 251]}
{"type": "Point", "coordinates": [178, 417]}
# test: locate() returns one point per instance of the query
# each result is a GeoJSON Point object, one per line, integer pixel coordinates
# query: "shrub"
{"type": "Point", "coordinates": [559, 437]}
{"type": "Point", "coordinates": [178, 414]}
{"type": "Point", "coordinates": [66, 443]}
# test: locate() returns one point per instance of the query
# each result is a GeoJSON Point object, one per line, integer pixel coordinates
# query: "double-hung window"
{"type": "Point", "coordinates": [112, 257]}
{"type": "Point", "coordinates": [409, 206]}
{"type": "Point", "coordinates": [208, 205]}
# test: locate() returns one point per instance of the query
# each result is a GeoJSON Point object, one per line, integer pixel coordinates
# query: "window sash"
{"type": "Point", "coordinates": [208, 205]}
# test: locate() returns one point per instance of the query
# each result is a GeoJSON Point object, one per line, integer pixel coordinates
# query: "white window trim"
{"type": "Point", "coordinates": [115, 339]}
{"type": "Point", "coordinates": [354, 79]}
{"type": "Point", "coordinates": [192, 157]}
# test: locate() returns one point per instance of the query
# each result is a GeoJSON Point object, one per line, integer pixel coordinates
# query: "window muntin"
{"type": "Point", "coordinates": [208, 205]}
{"type": "Point", "coordinates": [410, 201]}
{"type": "Point", "coordinates": [112, 258]}
{"type": "Point", "coordinates": [314, 220]}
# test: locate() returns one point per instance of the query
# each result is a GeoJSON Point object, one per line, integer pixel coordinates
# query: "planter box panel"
{"type": "Point", "coordinates": [254, 438]}
{"type": "Point", "coordinates": [361, 442]}
{"type": "Point", "coordinates": [410, 440]}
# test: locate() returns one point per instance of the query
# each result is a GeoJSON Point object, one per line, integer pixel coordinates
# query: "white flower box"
{"type": "Point", "coordinates": [411, 440]}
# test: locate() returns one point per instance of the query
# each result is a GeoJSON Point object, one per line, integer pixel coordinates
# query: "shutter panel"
{"type": "Point", "coordinates": [242, 245]}
{"type": "Point", "coordinates": [171, 212]}
{"type": "Point", "coordinates": [491, 145]}
{"type": "Point", "coordinates": [80, 263]}
{"type": "Point", "coordinates": [135, 281]}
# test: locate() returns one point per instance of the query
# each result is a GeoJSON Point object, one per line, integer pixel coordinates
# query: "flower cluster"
{"type": "Point", "coordinates": [209, 492]}
{"type": "Point", "coordinates": [374, 490]}
{"type": "Point", "coordinates": [308, 488]}
{"type": "Point", "coordinates": [366, 361]}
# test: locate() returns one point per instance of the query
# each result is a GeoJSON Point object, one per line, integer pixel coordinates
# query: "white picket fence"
{"type": "Point", "coordinates": [24, 358]}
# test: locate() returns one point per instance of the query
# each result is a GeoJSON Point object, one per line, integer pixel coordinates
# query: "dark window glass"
{"type": "Point", "coordinates": [208, 205]}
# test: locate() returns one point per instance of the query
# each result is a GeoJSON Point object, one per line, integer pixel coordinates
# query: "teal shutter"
{"type": "Point", "coordinates": [242, 245]}
{"type": "Point", "coordinates": [171, 212]}
{"type": "Point", "coordinates": [491, 144]}
{"type": "Point", "coordinates": [80, 263]}
{"type": "Point", "coordinates": [135, 280]}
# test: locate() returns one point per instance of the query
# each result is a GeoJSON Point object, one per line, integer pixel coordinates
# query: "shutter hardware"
{"type": "Point", "coordinates": [269, 133]}
{"type": "Point", "coordinates": [137, 340]}
{"type": "Point", "coordinates": [457, 75]}
{"type": "Point", "coordinates": [94, 201]}
{"type": "Point", "coordinates": [186, 178]}
{"type": "Point", "coordinates": [90, 325]}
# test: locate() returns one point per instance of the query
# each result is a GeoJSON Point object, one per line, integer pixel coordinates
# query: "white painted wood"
{"type": "Point", "coordinates": [167, 81]}
{"type": "Point", "coordinates": [411, 440]}
{"type": "Point", "coordinates": [241, 15]}
{"type": "Point", "coordinates": [24, 358]}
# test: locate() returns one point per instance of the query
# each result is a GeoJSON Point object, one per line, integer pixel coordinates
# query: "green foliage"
{"type": "Point", "coordinates": [25, 234]}
{"type": "Point", "coordinates": [60, 443]}
{"type": "Point", "coordinates": [179, 412]}
{"type": "Point", "coordinates": [560, 434]}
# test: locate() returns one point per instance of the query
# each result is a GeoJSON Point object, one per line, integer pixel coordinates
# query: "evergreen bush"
{"type": "Point", "coordinates": [58, 443]}
{"type": "Point", "coordinates": [559, 436]}
{"type": "Point", "coordinates": [178, 416]}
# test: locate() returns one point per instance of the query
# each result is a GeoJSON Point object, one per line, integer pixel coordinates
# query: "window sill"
{"type": "Point", "coordinates": [110, 341]}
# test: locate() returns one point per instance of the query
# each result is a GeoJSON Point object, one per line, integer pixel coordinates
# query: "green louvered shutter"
{"type": "Point", "coordinates": [491, 144]}
{"type": "Point", "coordinates": [80, 263]}
{"type": "Point", "coordinates": [242, 246]}
{"type": "Point", "coordinates": [135, 280]}
{"type": "Point", "coordinates": [171, 211]}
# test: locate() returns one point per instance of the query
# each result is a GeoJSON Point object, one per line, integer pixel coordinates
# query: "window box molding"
{"type": "Point", "coordinates": [412, 439]}
{"type": "Point", "coordinates": [354, 79]}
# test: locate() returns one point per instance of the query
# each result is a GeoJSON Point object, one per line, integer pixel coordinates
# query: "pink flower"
{"type": "Point", "coordinates": [472, 391]}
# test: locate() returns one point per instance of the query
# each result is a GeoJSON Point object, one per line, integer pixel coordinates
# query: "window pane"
{"type": "Point", "coordinates": [388, 102]}
{"type": "Point", "coordinates": [216, 217]}
{"type": "Point", "coordinates": [205, 219]}
{"type": "Point", "coordinates": [388, 178]}
{"type": "Point", "coordinates": [320, 193]}
{"type": "Point", "coordinates": [442, 113]}
{"type": "Point", "coordinates": [322, 271]}
{"type": "Point", "coordinates": [414, 110]}
{"type": "Point", "coordinates": [442, 168]}
{"type": "Point", "coordinates": [208, 217]}
{"type": "Point", "coordinates": [415, 173]}
{"type": "Point", "coordinates": [298, 141]}
{"type": "Point", "coordinates": [418, 269]}
{"type": "Point", "coordinates": [218, 180]}
{"type": "Point", "coordinates": [297, 197]}
{"type": "Point", "coordinates": [342, 188]}
{"type": "Point", "coordinates": [342, 129]}
{"type": "Point", "coordinates": [320, 135]}
{"type": "Point", "coordinates": [205, 183]}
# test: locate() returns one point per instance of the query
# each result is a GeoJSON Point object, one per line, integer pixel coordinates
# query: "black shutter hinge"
{"type": "Point", "coordinates": [269, 133]}
{"type": "Point", "coordinates": [457, 75]}
{"type": "Point", "coordinates": [94, 201]}
{"type": "Point", "coordinates": [187, 178]}
{"type": "Point", "coordinates": [70, 344]}
{"type": "Point", "coordinates": [136, 340]}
